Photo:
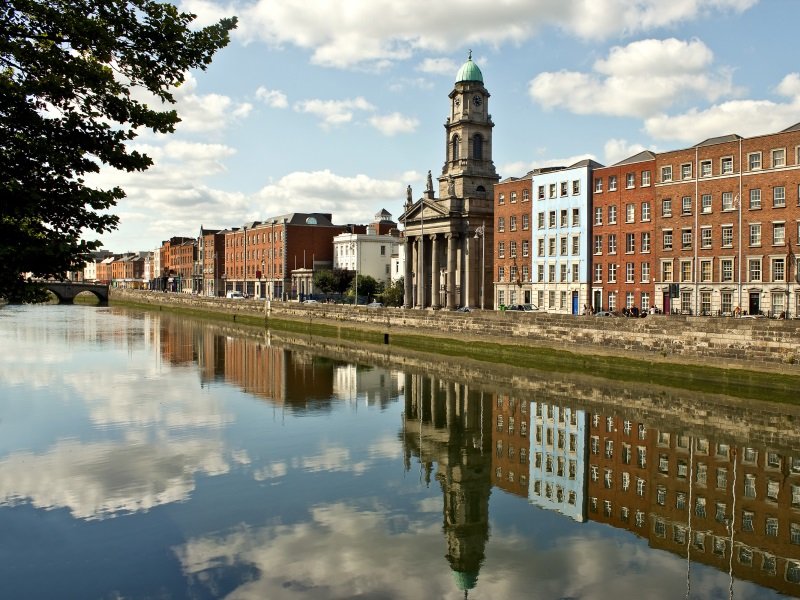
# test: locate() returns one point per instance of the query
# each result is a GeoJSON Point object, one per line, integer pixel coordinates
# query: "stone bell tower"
{"type": "Point", "coordinates": [449, 238]}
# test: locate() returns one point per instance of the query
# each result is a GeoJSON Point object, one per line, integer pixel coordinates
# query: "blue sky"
{"type": "Point", "coordinates": [337, 105]}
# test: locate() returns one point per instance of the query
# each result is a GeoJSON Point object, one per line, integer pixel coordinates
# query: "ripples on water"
{"type": "Point", "coordinates": [146, 456]}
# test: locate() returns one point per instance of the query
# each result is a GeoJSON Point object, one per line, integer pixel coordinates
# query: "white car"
{"type": "Point", "coordinates": [235, 295]}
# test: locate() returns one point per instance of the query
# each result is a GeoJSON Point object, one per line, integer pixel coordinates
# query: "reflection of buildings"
{"type": "Point", "coordinates": [450, 424]}
{"type": "Point", "coordinates": [512, 444]}
{"type": "Point", "coordinates": [618, 472]}
{"type": "Point", "coordinates": [295, 379]}
{"type": "Point", "coordinates": [730, 506]}
{"type": "Point", "coordinates": [364, 384]}
{"type": "Point", "coordinates": [558, 472]}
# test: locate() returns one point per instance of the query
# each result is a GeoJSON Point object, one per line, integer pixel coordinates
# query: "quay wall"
{"type": "Point", "coordinates": [757, 344]}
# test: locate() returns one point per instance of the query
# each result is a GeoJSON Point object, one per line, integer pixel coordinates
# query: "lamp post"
{"type": "Point", "coordinates": [354, 248]}
{"type": "Point", "coordinates": [480, 232]}
{"type": "Point", "coordinates": [263, 291]}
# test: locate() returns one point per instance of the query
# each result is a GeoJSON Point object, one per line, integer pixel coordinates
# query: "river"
{"type": "Point", "coordinates": [147, 455]}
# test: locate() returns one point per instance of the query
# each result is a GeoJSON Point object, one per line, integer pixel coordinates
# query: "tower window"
{"type": "Point", "coordinates": [455, 147]}
{"type": "Point", "coordinates": [477, 147]}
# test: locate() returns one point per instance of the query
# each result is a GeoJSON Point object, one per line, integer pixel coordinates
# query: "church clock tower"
{"type": "Point", "coordinates": [468, 168]}
{"type": "Point", "coordinates": [449, 239]}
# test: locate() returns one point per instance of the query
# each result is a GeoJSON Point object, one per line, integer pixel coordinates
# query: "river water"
{"type": "Point", "coordinates": [144, 455]}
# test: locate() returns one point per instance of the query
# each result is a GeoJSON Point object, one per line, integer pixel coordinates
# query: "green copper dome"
{"type": "Point", "coordinates": [469, 71]}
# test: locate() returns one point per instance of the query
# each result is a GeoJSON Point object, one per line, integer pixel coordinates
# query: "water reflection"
{"type": "Point", "coordinates": [259, 464]}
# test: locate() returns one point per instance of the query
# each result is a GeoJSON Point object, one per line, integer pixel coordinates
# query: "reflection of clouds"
{"type": "Point", "coordinates": [385, 448]}
{"type": "Point", "coordinates": [342, 552]}
{"type": "Point", "coordinates": [271, 471]}
{"type": "Point", "coordinates": [95, 480]}
{"type": "Point", "coordinates": [339, 459]}
{"type": "Point", "coordinates": [330, 459]}
{"type": "Point", "coordinates": [144, 396]}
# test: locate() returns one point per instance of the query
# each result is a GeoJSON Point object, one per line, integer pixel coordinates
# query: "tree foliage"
{"type": "Point", "coordinates": [72, 73]}
{"type": "Point", "coordinates": [335, 281]}
{"type": "Point", "coordinates": [367, 286]}
{"type": "Point", "coordinates": [394, 294]}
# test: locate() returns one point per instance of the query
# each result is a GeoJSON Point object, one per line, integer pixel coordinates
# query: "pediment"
{"type": "Point", "coordinates": [423, 209]}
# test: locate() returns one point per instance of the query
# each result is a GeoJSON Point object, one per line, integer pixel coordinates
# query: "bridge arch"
{"type": "Point", "coordinates": [65, 291]}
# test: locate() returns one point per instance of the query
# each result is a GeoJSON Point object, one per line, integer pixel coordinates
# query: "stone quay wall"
{"type": "Point", "coordinates": [758, 344]}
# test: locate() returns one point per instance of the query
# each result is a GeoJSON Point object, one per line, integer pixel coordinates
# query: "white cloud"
{"type": "Point", "coordinates": [205, 112]}
{"type": "Point", "coordinates": [641, 79]}
{"type": "Point", "coordinates": [272, 98]}
{"type": "Point", "coordinates": [438, 66]}
{"type": "Point", "coordinates": [520, 168]}
{"type": "Point", "coordinates": [617, 150]}
{"type": "Point", "coordinates": [744, 117]}
{"type": "Point", "coordinates": [351, 199]}
{"type": "Point", "coordinates": [333, 112]}
{"type": "Point", "coordinates": [394, 123]}
{"type": "Point", "coordinates": [375, 33]}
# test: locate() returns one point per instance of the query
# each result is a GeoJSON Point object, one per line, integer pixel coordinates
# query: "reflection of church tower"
{"type": "Point", "coordinates": [445, 265]}
{"type": "Point", "coordinates": [447, 424]}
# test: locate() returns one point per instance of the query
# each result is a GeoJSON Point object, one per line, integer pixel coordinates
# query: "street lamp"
{"type": "Point", "coordinates": [263, 266]}
{"type": "Point", "coordinates": [354, 248]}
{"type": "Point", "coordinates": [480, 232]}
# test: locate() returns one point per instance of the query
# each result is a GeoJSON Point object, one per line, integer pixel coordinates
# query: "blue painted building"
{"type": "Point", "coordinates": [561, 233]}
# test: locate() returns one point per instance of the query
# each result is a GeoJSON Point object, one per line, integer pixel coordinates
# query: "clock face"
{"type": "Point", "coordinates": [477, 100]}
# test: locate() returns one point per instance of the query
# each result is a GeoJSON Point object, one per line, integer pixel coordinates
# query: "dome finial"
{"type": "Point", "coordinates": [470, 54]}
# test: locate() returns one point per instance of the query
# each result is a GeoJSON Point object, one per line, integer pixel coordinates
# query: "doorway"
{"type": "Point", "coordinates": [574, 303]}
{"type": "Point", "coordinates": [754, 307]}
{"type": "Point", "coordinates": [597, 301]}
{"type": "Point", "coordinates": [667, 305]}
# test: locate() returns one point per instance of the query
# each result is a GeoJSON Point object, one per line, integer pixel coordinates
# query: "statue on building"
{"type": "Point", "coordinates": [409, 195]}
{"type": "Point", "coordinates": [429, 185]}
{"type": "Point", "coordinates": [451, 187]}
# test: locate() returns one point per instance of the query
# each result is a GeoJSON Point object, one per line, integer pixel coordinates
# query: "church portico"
{"type": "Point", "coordinates": [447, 263]}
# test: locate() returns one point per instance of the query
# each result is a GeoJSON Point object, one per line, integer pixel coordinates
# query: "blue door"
{"type": "Point", "coordinates": [574, 303]}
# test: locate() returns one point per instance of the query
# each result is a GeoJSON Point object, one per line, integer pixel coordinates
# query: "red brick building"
{"type": "Point", "coordinates": [622, 234]}
{"type": "Point", "coordinates": [511, 254]}
{"type": "Point", "coordinates": [727, 226]}
{"type": "Point", "coordinates": [211, 257]}
{"type": "Point", "coordinates": [260, 256]}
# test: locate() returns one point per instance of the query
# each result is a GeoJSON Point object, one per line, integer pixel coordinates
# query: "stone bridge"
{"type": "Point", "coordinates": [66, 291]}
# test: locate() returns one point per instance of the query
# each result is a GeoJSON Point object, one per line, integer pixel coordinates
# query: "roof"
{"type": "Point", "coordinates": [731, 137]}
{"type": "Point", "coordinates": [636, 158]}
{"type": "Point", "coordinates": [469, 71]}
{"type": "Point", "coordinates": [795, 127]}
{"type": "Point", "coordinates": [586, 162]}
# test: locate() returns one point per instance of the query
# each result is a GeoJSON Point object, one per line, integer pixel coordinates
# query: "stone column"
{"type": "Point", "coordinates": [451, 270]}
{"type": "Point", "coordinates": [467, 271]}
{"type": "Point", "coordinates": [421, 272]}
{"type": "Point", "coordinates": [459, 272]}
{"type": "Point", "coordinates": [408, 281]}
{"type": "Point", "coordinates": [434, 271]}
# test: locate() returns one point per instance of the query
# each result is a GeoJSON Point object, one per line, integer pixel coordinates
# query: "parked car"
{"type": "Point", "coordinates": [523, 307]}
{"type": "Point", "coordinates": [235, 295]}
{"type": "Point", "coordinates": [310, 301]}
{"type": "Point", "coordinates": [604, 313]}
{"type": "Point", "coordinates": [375, 305]}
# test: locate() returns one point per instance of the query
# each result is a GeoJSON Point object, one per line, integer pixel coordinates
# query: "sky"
{"type": "Point", "coordinates": [336, 106]}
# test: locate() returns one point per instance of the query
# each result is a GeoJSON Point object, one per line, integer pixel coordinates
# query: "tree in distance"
{"type": "Point", "coordinates": [70, 76]}
{"type": "Point", "coordinates": [394, 294]}
{"type": "Point", "coordinates": [334, 281]}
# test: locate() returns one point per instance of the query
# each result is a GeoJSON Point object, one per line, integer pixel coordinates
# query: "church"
{"type": "Point", "coordinates": [449, 237]}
